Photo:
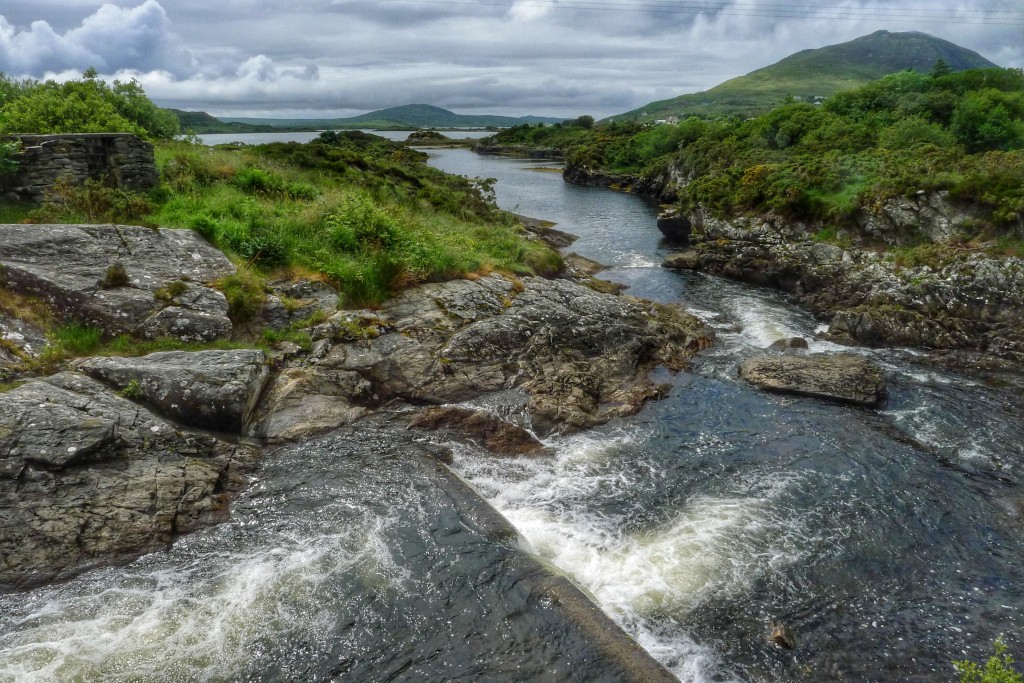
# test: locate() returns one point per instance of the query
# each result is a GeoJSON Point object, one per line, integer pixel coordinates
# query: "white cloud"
{"type": "Point", "coordinates": [111, 39]}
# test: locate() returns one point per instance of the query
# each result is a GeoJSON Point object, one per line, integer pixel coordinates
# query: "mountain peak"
{"type": "Point", "coordinates": [817, 72]}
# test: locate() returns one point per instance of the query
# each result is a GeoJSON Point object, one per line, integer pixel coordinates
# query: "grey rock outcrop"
{"type": "Point", "coordinates": [967, 301]}
{"type": "Point", "coordinates": [209, 389]}
{"type": "Point", "coordinates": [71, 267]}
{"type": "Point", "coordinates": [583, 357]}
{"type": "Point", "coordinates": [88, 477]}
{"type": "Point", "coordinates": [675, 226]}
{"type": "Point", "coordinates": [903, 220]}
{"type": "Point", "coordinates": [842, 377]}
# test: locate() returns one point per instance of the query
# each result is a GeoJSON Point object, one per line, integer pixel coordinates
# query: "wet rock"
{"type": "Point", "coordinates": [842, 377]}
{"type": "Point", "coordinates": [789, 343]}
{"type": "Point", "coordinates": [161, 284]}
{"type": "Point", "coordinates": [487, 430]}
{"type": "Point", "coordinates": [582, 356]}
{"type": "Point", "coordinates": [675, 226]}
{"type": "Point", "coordinates": [686, 260]}
{"type": "Point", "coordinates": [781, 635]}
{"type": "Point", "coordinates": [556, 239]}
{"type": "Point", "coordinates": [210, 389]}
{"type": "Point", "coordinates": [308, 400]}
{"type": "Point", "coordinates": [88, 477]}
{"type": "Point", "coordinates": [964, 300]}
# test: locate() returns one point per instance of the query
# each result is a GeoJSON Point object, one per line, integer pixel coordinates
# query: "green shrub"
{"type": "Point", "coordinates": [91, 202]}
{"type": "Point", "coordinates": [998, 668]}
{"type": "Point", "coordinates": [245, 292]}
{"type": "Point", "coordinates": [116, 276]}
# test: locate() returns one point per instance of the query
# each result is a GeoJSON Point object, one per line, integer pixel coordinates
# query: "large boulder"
{"type": "Point", "coordinates": [582, 357]}
{"type": "Point", "coordinates": [842, 377]}
{"type": "Point", "coordinates": [88, 477]}
{"type": "Point", "coordinates": [210, 389]}
{"type": "Point", "coordinates": [152, 283]}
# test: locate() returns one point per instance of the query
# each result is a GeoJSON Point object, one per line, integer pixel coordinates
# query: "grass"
{"type": "Point", "coordinates": [370, 217]}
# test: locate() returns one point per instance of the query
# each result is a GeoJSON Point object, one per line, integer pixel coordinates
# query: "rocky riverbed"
{"type": "Point", "coordinates": [965, 300]}
{"type": "Point", "coordinates": [113, 457]}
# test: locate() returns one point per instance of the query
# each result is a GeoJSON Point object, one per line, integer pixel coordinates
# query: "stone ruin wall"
{"type": "Point", "coordinates": [119, 160]}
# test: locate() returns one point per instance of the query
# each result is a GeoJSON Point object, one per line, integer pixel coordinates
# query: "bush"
{"type": "Point", "coordinates": [92, 202]}
{"type": "Point", "coordinates": [998, 669]}
{"type": "Point", "coordinates": [245, 292]}
{"type": "Point", "coordinates": [86, 106]}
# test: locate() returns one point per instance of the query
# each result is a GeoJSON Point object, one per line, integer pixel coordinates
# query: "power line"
{"type": "Point", "coordinates": [777, 11]}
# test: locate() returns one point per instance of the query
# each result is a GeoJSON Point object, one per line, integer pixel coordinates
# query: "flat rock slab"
{"type": "Point", "coordinates": [88, 477]}
{"type": "Point", "coordinates": [67, 266]}
{"type": "Point", "coordinates": [209, 389]}
{"type": "Point", "coordinates": [842, 377]}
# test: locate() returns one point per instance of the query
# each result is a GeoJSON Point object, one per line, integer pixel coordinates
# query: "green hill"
{"type": "Point", "coordinates": [810, 74]}
{"type": "Point", "coordinates": [201, 122]}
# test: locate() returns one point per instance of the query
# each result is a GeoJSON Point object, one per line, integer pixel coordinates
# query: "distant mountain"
{"type": "Point", "coordinates": [407, 117]}
{"type": "Point", "coordinates": [201, 122]}
{"type": "Point", "coordinates": [818, 73]}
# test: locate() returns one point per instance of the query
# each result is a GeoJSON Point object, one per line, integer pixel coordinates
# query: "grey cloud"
{"type": "Point", "coordinates": [520, 56]}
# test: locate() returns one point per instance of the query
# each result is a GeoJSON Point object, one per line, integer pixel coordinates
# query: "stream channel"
{"type": "Point", "coordinates": [890, 541]}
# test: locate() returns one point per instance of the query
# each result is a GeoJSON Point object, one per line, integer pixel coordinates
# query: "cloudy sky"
{"type": "Point", "coordinates": [313, 58]}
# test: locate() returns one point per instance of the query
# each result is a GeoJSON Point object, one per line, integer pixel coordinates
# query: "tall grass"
{"type": "Point", "coordinates": [371, 216]}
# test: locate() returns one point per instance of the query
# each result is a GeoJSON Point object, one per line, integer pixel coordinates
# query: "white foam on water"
{"type": "Point", "coordinates": [635, 259]}
{"type": "Point", "coordinates": [648, 580]}
{"type": "Point", "coordinates": [184, 623]}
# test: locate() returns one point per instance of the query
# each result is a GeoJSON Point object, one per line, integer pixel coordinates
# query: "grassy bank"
{"type": "Point", "coordinates": [364, 213]}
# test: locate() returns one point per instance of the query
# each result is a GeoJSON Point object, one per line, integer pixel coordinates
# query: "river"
{"type": "Point", "coordinates": [891, 542]}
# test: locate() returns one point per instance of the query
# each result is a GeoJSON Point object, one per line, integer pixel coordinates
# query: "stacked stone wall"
{"type": "Point", "coordinates": [119, 160]}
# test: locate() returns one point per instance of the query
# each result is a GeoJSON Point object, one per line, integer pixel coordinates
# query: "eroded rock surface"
{"type": "Point", "coordinates": [842, 377]}
{"type": "Point", "coordinates": [88, 477]}
{"type": "Point", "coordinates": [581, 356]}
{"type": "Point", "coordinates": [968, 301]}
{"type": "Point", "coordinates": [210, 389]}
{"type": "Point", "coordinates": [152, 283]}
{"type": "Point", "coordinates": [486, 429]}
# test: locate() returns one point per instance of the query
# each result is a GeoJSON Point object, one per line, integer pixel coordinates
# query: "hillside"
{"type": "Point", "coordinates": [406, 117]}
{"type": "Point", "coordinates": [201, 122]}
{"type": "Point", "coordinates": [816, 73]}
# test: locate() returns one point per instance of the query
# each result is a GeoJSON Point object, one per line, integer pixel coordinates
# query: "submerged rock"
{"type": "Point", "coordinates": [782, 635]}
{"type": "Point", "coordinates": [88, 477]}
{"type": "Point", "coordinates": [789, 343]}
{"type": "Point", "coordinates": [210, 389]}
{"type": "Point", "coordinates": [487, 430]}
{"type": "Point", "coordinates": [842, 377]}
{"type": "Point", "coordinates": [120, 278]}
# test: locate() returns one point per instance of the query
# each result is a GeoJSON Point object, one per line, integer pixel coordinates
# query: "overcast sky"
{"type": "Point", "coordinates": [312, 58]}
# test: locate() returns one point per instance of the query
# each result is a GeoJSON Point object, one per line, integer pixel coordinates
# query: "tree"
{"type": "Point", "coordinates": [85, 106]}
{"type": "Point", "coordinates": [989, 119]}
{"type": "Point", "coordinates": [941, 68]}
{"type": "Point", "coordinates": [584, 121]}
